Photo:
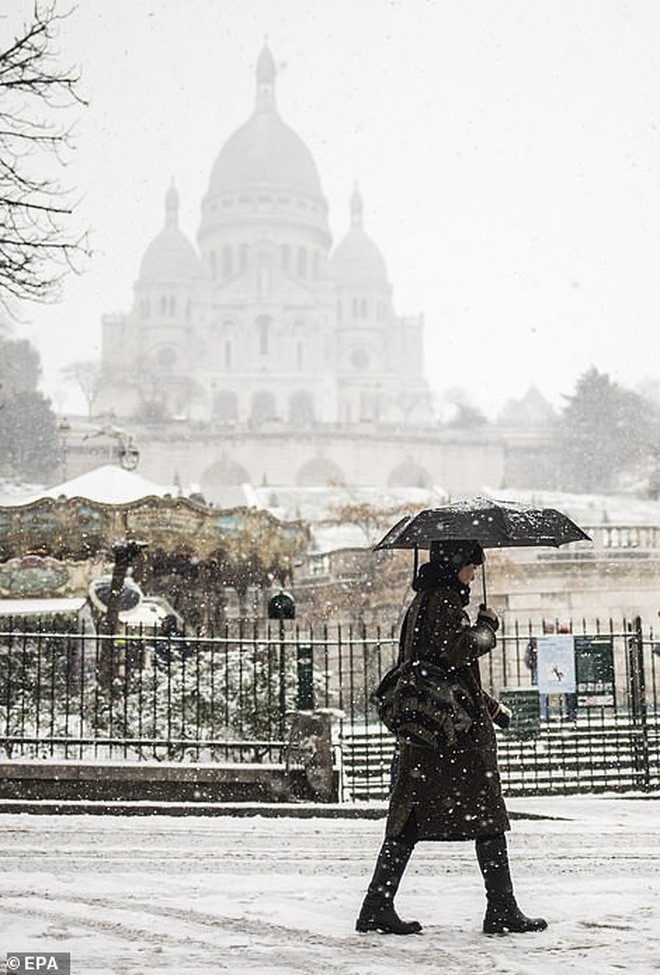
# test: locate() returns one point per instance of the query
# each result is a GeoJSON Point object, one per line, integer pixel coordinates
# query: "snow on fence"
{"type": "Point", "coordinates": [230, 698]}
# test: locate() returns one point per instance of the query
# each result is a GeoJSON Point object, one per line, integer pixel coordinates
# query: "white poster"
{"type": "Point", "coordinates": [556, 663]}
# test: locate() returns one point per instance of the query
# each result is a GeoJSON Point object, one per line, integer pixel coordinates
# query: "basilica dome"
{"type": "Point", "coordinates": [265, 152]}
{"type": "Point", "coordinates": [356, 260]}
{"type": "Point", "coordinates": [170, 256]}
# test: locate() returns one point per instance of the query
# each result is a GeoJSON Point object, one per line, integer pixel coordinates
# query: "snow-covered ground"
{"type": "Point", "coordinates": [257, 895]}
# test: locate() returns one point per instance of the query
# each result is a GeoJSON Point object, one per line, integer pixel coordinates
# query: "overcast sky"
{"type": "Point", "coordinates": [507, 153]}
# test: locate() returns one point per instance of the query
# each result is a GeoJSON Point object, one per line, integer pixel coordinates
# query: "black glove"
{"type": "Point", "coordinates": [488, 617]}
{"type": "Point", "coordinates": [502, 717]}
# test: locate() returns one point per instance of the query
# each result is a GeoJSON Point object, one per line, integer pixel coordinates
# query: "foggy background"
{"type": "Point", "coordinates": [507, 155]}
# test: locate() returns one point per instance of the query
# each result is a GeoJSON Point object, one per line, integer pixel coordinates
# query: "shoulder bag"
{"type": "Point", "coordinates": [424, 704]}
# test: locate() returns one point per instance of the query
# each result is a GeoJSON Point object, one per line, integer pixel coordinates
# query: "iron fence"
{"type": "Point", "coordinates": [230, 697]}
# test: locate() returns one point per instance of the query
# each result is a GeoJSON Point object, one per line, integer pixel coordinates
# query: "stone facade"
{"type": "Point", "coordinates": [263, 321]}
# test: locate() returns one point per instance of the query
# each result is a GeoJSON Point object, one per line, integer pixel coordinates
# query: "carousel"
{"type": "Point", "coordinates": [205, 561]}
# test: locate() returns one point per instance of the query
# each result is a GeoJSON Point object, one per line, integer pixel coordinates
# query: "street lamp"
{"type": "Point", "coordinates": [63, 431]}
{"type": "Point", "coordinates": [129, 455]}
{"type": "Point", "coordinates": [282, 607]}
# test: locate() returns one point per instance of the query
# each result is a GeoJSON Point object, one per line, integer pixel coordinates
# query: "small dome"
{"type": "Point", "coordinates": [356, 260]}
{"type": "Point", "coordinates": [170, 256]}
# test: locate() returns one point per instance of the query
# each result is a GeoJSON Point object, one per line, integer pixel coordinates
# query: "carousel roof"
{"type": "Point", "coordinates": [109, 484]}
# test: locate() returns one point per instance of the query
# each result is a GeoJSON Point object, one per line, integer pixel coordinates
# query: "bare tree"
{"type": "Point", "coordinates": [86, 374]}
{"type": "Point", "coordinates": [37, 243]}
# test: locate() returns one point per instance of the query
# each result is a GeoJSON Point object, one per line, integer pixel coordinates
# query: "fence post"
{"type": "Point", "coordinates": [638, 711]}
{"type": "Point", "coordinates": [305, 675]}
{"type": "Point", "coordinates": [282, 683]}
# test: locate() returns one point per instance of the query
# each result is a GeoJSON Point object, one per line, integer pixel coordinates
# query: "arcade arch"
{"type": "Point", "coordinates": [320, 472]}
{"type": "Point", "coordinates": [224, 472]}
{"type": "Point", "coordinates": [409, 475]}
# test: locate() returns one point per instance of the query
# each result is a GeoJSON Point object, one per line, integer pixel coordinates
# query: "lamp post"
{"type": "Point", "coordinates": [282, 607]}
{"type": "Point", "coordinates": [63, 431]}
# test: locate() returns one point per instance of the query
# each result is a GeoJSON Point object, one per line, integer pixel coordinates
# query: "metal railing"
{"type": "Point", "coordinates": [230, 698]}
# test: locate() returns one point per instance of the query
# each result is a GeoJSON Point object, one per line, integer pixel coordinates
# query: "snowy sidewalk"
{"type": "Point", "coordinates": [196, 895]}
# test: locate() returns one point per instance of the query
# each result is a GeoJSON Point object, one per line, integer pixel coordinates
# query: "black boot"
{"type": "Point", "coordinates": [502, 911]}
{"type": "Point", "coordinates": [505, 915]}
{"type": "Point", "coordinates": [377, 913]}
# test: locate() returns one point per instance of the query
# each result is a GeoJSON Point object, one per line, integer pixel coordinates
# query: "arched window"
{"type": "Point", "coordinates": [228, 354]}
{"type": "Point", "coordinates": [301, 409]}
{"type": "Point", "coordinates": [264, 276]}
{"type": "Point", "coordinates": [172, 306]}
{"type": "Point", "coordinates": [286, 258]}
{"type": "Point", "coordinates": [163, 305]}
{"type": "Point", "coordinates": [243, 258]}
{"type": "Point", "coordinates": [263, 329]}
{"type": "Point", "coordinates": [263, 407]}
{"type": "Point", "coordinates": [364, 308]}
{"type": "Point", "coordinates": [166, 358]}
{"type": "Point", "coordinates": [227, 262]}
{"type": "Point", "coordinates": [302, 262]}
{"type": "Point", "coordinates": [300, 355]}
{"type": "Point", "coordinates": [225, 406]}
{"type": "Point", "coordinates": [356, 308]}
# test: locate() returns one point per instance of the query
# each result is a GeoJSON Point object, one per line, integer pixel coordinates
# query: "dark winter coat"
{"type": "Point", "coordinates": [455, 794]}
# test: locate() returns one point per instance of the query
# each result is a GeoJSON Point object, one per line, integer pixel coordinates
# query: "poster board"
{"type": "Point", "coordinates": [556, 663]}
{"type": "Point", "coordinates": [594, 666]}
{"type": "Point", "coordinates": [525, 707]}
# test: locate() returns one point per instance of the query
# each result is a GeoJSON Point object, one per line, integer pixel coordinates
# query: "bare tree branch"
{"type": "Point", "coordinates": [38, 245]}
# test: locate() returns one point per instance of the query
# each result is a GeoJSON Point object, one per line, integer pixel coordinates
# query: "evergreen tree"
{"type": "Point", "coordinates": [605, 431]}
{"type": "Point", "coordinates": [29, 446]}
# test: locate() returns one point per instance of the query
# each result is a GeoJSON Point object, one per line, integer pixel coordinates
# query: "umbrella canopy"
{"type": "Point", "coordinates": [494, 524]}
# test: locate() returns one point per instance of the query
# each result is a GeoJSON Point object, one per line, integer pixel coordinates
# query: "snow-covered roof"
{"type": "Point", "coordinates": [41, 607]}
{"type": "Point", "coordinates": [108, 484]}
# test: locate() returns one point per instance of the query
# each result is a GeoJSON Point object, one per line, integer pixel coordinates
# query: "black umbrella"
{"type": "Point", "coordinates": [494, 524]}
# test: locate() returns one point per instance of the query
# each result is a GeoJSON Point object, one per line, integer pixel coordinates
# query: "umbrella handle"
{"type": "Point", "coordinates": [483, 581]}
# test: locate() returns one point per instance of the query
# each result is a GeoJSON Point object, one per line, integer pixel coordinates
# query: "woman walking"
{"type": "Point", "coordinates": [453, 793]}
